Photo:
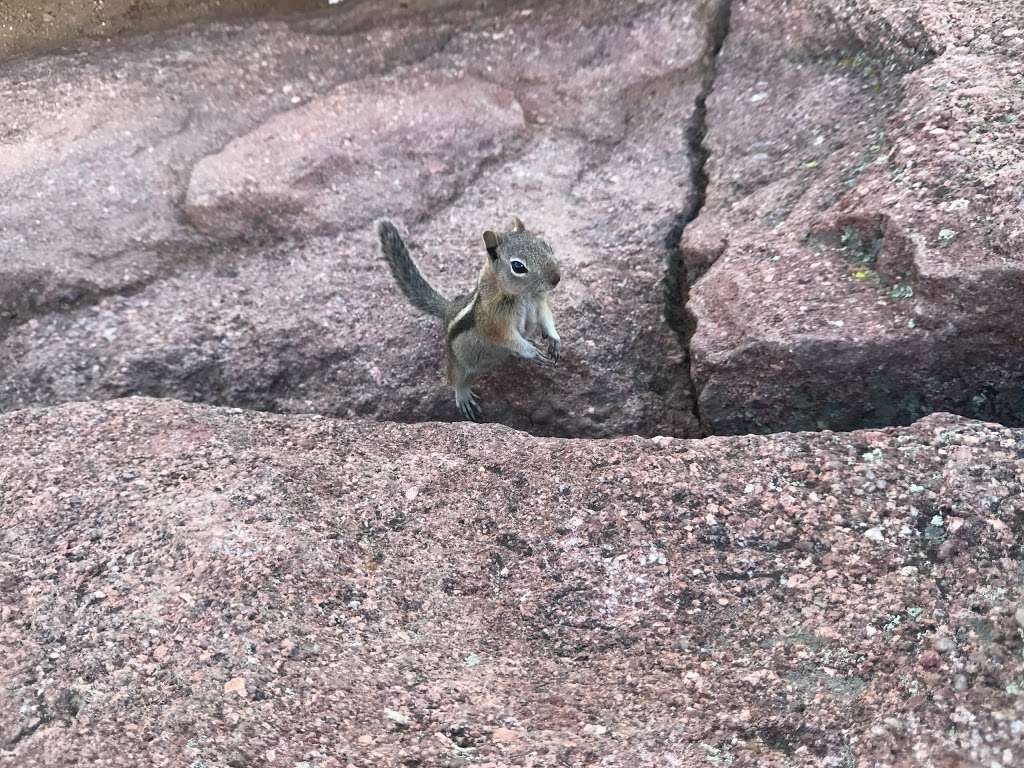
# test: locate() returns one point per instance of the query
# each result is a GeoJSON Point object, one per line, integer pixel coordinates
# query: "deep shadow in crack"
{"type": "Point", "coordinates": [677, 281]}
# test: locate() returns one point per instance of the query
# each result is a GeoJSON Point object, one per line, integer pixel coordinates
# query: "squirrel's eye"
{"type": "Point", "coordinates": [518, 267]}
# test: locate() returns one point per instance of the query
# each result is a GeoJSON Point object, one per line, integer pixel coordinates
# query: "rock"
{"type": "Point", "coordinates": [187, 212]}
{"type": "Point", "coordinates": [95, 173]}
{"type": "Point", "coordinates": [929, 659]}
{"type": "Point", "coordinates": [184, 229]}
{"type": "Point", "coordinates": [854, 262]}
{"type": "Point", "coordinates": [231, 532]}
{"type": "Point", "coordinates": [875, 534]}
{"type": "Point", "coordinates": [375, 147]}
{"type": "Point", "coordinates": [395, 716]}
{"type": "Point", "coordinates": [235, 685]}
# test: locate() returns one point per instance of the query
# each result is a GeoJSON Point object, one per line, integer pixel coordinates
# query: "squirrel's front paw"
{"type": "Point", "coordinates": [554, 349]}
{"type": "Point", "coordinates": [534, 355]}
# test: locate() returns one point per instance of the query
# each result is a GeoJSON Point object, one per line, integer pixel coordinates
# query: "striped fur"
{"type": "Point", "coordinates": [464, 320]}
{"type": "Point", "coordinates": [493, 322]}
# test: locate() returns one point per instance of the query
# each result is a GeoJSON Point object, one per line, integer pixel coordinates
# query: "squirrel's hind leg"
{"type": "Point", "coordinates": [468, 403]}
{"type": "Point", "coordinates": [465, 398]}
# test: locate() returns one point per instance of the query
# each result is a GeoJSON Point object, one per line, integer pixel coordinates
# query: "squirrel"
{"type": "Point", "coordinates": [490, 324]}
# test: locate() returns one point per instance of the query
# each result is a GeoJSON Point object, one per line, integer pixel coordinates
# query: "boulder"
{"type": "Point", "coordinates": [188, 584]}
{"type": "Point", "coordinates": [99, 144]}
{"type": "Point", "coordinates": [857, 258]}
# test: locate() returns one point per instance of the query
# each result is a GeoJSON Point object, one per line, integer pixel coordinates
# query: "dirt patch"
{"type": "Point", "coordinates": [33, 25]}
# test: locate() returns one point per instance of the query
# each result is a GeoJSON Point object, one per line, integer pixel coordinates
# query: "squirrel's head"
{"type": "Point", "coordinates": [523, 263]}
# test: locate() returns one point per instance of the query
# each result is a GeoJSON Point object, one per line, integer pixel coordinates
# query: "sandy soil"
{"type": "Point", "coordinates": [27, 25]}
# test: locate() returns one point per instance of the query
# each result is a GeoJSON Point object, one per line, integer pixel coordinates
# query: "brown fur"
{"type": "Point", "coordinates": [488, 326]}
{"type": "Point", "coordinates": [497, 312]}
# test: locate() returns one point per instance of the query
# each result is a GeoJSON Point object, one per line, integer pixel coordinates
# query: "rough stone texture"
{"type": "Point", "coordinates": [142, 255]}
{"type": "Point", "coordinates": [99, 145]}
{"type": "Point", "coordinates": [187, 214]}
{"type": "Point", "coordinates": [183, 585]}
{"type": "Point", "coordinates": [27, 25]}
{"type": "Point", "coordinates": [863, 217]}
{"type": "Point", "coordinates": [856, 259]}
{"type": "Point", "coordinates": [411, 141]}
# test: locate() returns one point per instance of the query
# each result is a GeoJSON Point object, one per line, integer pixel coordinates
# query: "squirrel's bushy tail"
{"type": "Point", "coordinates": [412, 282]}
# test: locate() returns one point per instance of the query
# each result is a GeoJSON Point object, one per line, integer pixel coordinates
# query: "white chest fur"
{"type": "Point", "coordinates": [527, 319]}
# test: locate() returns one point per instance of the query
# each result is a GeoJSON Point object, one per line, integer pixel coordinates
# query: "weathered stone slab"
{"type": "Point", "coordinates": [183, 583]}
{"type": "Point", "coordinates": [863, 218]}
{"type": "Point", "coordinates": [369, 148]}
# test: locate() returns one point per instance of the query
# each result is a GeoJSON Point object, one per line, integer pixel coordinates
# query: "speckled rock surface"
{"type": "Point", "coordinates": [183, 585]}
{"type": "Point", "coordinates": [405, 143]}
{"type": "Point", "coordinates": [863, 216]}
{"type": "Point", "coordinates": [152, 179]}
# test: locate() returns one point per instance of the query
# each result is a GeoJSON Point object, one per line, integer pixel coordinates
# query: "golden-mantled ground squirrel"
{"type": "Point", "coordinates": [485, 327]}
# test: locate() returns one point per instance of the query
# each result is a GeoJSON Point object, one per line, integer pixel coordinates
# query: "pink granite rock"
{"type": "Point", "coordinates": [182, 583]}
{"type": "Point", "coordinates": [860, 244]}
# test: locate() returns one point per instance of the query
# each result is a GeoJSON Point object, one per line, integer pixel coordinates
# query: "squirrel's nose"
{"type": "Point", "coordinates": [554, 276]}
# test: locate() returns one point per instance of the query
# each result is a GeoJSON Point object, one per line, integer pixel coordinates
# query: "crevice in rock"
{"type": "Point", "coordinates": [677, 282]}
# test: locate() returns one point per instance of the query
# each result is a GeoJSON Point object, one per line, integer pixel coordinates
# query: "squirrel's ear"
{"type": "Point", "coordinates": [491, 240]}
{"type": "Point", "coordinates": [517, 224]}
